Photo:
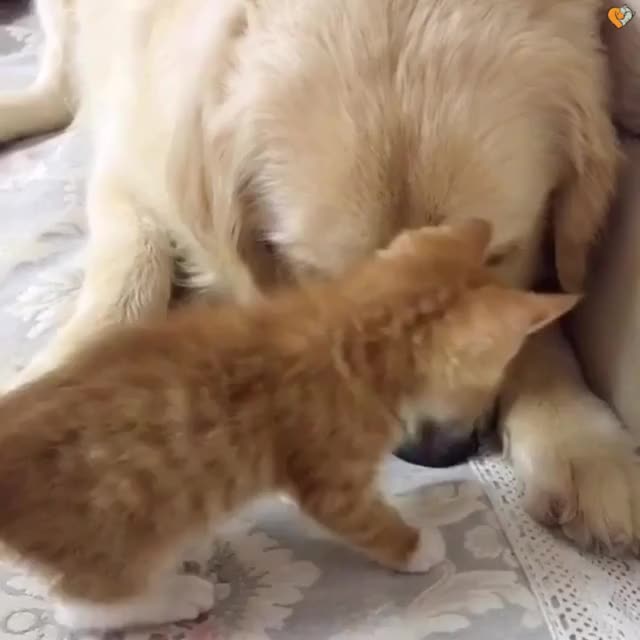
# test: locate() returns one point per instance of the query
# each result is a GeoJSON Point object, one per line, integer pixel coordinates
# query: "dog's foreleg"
{"type": "Point", "coordinates": [577, 463]}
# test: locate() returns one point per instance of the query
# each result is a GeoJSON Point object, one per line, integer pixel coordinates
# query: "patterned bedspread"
{"type": "Point", "coordinates": [277, 576]}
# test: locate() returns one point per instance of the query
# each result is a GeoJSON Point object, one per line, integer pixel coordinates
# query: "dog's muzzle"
{"type": "Point", "coordinates": [443, 445]}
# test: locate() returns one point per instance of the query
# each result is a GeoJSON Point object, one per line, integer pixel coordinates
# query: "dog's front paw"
{"type": "Point", "coordinates": [589, 485]}
{"type": "Point", "coordinates": [608, 502]}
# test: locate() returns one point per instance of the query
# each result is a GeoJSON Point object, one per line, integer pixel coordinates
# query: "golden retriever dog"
{"type": "Point", "coordinates": [267, 140]}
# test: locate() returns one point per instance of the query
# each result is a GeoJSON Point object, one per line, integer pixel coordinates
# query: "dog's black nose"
{"type": "Point", "coordinates": [439, 446]}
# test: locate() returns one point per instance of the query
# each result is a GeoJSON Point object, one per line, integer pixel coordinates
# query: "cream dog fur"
{"type": "Point", "coordinates": [263, 139]}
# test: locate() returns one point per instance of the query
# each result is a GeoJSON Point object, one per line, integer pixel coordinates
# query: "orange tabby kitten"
{"type": "Point", "coordinates": [111, 465]}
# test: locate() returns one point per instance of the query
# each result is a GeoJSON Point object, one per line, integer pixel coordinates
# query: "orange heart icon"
{"type": "Point", "coordinates": [619, 16]}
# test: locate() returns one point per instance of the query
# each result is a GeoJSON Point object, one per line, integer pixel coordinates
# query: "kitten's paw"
{"type": "Point", "coordinates": [429, 552]}
{"type": "Point", "coordinates": [189, 597]}
{"type": "Point", "coordinates": [180, 597]}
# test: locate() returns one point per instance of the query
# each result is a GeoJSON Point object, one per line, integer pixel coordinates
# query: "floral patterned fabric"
{"type": "Point", "coordinates": [278, 577]}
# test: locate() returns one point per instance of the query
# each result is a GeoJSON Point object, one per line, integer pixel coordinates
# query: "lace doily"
{"type": "Point", "coordinates": [582, 596]}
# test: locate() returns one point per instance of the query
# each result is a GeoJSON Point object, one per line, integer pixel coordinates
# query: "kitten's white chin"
{"type": "Point", "coordinates": [429, 552]}
{"type": "Point", "coordinates": [177, 597]}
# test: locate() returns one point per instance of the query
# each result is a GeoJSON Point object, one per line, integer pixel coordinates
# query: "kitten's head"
{"type": "Point", "coordinates": [463, 350]}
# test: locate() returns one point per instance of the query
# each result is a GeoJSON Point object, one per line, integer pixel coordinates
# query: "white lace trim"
{"type": "Point", "coordinates": [582, 597]}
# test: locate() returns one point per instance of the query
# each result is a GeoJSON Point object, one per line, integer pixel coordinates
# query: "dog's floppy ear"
{"type": "Point", "coordinates": [579, 211]}
{"type": "Point", "coordinates": [581, 202]}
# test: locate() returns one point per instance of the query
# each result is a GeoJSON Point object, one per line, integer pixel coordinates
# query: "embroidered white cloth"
{"type": "Point", "coordinates": [582, 596]}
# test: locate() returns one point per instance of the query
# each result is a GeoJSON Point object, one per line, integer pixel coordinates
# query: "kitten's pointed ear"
{"type": "Point", "coordinates": [475, 234]}
{"type": "Point", "coordinates": [509, 316]}
{"type": "Point", "coordinates": [543, 309]}
{"type": "Point", "coordinates": [526, 312]}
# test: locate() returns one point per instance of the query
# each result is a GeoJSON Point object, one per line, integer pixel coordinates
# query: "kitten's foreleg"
{"type": "Point", "coordinates": [377, 529]}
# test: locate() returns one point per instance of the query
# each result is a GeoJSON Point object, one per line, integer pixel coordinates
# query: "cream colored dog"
{"type": "Point", "coordinates": [262, 139]}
